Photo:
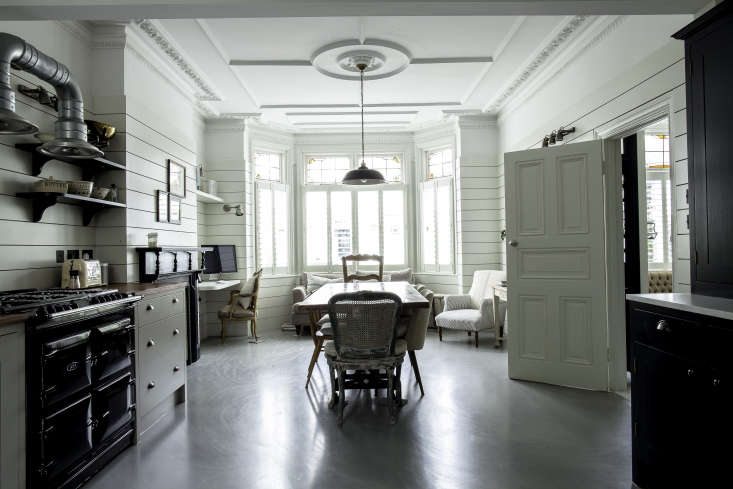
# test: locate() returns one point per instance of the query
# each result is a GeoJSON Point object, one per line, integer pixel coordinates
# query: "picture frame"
{"type": "Point", "coordinates": [162, 205]}
{"type": "Point", "coordinates": [174, 209]}
{"type": "Point", "coordinates": [176, 178]}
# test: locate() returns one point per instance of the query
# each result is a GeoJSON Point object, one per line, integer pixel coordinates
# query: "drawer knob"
{"type": "Point", "coordinates": [663, 325]}
{"type": "Point", "coordinates": [151, 342]}
{"type": "Point", "coordinates": [150, 307]}
{"type": "Point", "coordinates": [176, 368]}
{"type": "Point", "coordinates": [151, 385]}
{"type": "Point", "coordinates": [176, 332]}
{"type": "Point", "coordinates": [716, 382]}
{"type": "Point", "coordinates": [690, 372]}
{"type": "Point", "coordinates": [175, 300]}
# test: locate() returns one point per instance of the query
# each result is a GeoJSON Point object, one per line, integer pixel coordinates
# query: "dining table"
{"type": "Point", "coordinates": [316, 305]}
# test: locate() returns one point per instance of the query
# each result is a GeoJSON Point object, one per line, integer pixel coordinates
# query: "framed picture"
{"type": "Point", "coordinates": [162, 206]}
{"type": "Point", "coordinates": [174, 209]}
{"type": "Point", "coordinates": [176, 178]}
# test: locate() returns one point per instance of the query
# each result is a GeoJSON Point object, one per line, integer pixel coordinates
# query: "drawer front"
{"type": "Point", "coordinates": [663, 329]}
{"type": "Point", "coordinates": [162, 360]}
{"type": "Point", "coordinates": [159, 307]}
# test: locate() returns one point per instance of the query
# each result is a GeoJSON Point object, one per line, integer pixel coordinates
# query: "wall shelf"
{"type": "Point", "coordinates": [90, 167]}
{"type": "Point", "coordinates": [202, 196]}
{"type": "Point", "coordinates": [44, 200]}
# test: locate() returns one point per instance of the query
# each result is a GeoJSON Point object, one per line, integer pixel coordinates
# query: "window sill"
{"type": "Point", "coordinates": [436, 274]}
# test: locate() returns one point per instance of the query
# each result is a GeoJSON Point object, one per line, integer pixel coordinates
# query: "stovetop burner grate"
{"type": "Point", "coordinates": [30, 299]}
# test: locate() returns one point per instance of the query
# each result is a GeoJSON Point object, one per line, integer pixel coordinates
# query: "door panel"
{"type": "Point", "coordinates": [556, 265]}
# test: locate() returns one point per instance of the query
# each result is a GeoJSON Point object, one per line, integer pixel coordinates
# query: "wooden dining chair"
{"type": "Point", "coordinates": [234, 311]}
{"type": "Point", "coordinates": [361, 258]}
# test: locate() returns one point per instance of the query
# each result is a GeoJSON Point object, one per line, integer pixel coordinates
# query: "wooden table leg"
{"type": "Point", "coordinates": [497, 328]}
{"type": "Point", "coordinates": [314, 317]}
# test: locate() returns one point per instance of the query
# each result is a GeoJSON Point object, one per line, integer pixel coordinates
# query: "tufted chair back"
{"type": "Point", "coordinates": [660, 281]}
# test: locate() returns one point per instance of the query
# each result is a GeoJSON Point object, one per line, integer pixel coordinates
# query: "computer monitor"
{"type": "Point", "coordinates": [222, 259]}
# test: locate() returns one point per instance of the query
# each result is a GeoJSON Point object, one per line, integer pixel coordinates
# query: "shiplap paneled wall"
{"type": "Point", "coordinates": [28, 257]}
{"type": "Point", "coordinates": [680, 224]}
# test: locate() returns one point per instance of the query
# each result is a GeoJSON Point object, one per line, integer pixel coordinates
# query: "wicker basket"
{"type": "Point", "coordinates": [80, 187]}
{"type": "Point", "coordinates": [100, 193]}
{"type": "Point", "coordinates": [51, 185]}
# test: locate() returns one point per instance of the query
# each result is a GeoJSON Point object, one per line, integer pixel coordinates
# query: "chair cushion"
{"type": "Point", "coordinates": [316, 281]}
{"type": "Point", "coordinates": [247, 288]}
{"type": "Point", "coordinates": [238, 312]}
{"type": "Point", "coordinates": [400, 347]}
{"type": "Point", "coordinates": [401, 275]}
{"type": "Point", "coordinates": [463, 319]}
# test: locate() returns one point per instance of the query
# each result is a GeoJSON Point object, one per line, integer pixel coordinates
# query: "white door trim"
{"type": "Point", "coordinates": [611, 132]}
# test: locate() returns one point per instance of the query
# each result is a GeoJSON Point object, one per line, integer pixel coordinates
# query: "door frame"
{"type": "Point", "coordinates": [612, 132]}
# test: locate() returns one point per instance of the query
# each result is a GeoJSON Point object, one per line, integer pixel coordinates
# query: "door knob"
{"type": "Point", "coordinates": [175, 300]}
{"type": "Point", "coordinates": [513, 242]}
{"type": "Point", "coordinates": [176, 331]}
{"type": "Point", "coordinates": [176, 368]}
{"type": "Point", "coordinates": [151, 342]}
{"type": "Point", "coordinates": [150, 307]}
{"type": "Point", "coordinates": [151, 385]}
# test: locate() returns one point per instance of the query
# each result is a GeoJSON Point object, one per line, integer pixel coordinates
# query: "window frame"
{"type": "Point", "coordinates": [437, 267]}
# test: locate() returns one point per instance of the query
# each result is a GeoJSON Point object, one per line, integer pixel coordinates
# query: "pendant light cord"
{"type": "Point", "coordinates": [361, 73]}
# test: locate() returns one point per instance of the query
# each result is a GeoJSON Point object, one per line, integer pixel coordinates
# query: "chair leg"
{"type": "Point", "coordinates": [469, 333]}
{"type": "Point", "coordinates": [253, 328]}
{"type": "Point", "coordinates": [222, 330]}
{"type": "Point", "coordinates": [342, 396]}
{"type": "Point", "coordinates": [416, 369]}
{"type": "Point", "coordinates": [314, 359]}
{"type": "Point", "coordinates": [440, 334]}
{"type": "Point", "coordinates": [332, 377]}
{"type": "Point", "coordinates": [476, 340]}
{"type": "Point", "coordinates": [391, 396]}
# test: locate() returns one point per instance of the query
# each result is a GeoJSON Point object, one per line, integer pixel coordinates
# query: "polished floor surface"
{"type": "Point", "coordinates": [249, 423]}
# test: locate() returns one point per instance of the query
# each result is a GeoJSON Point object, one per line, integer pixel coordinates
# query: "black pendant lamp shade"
{"type": "Point", "coordinates": [363, 175]}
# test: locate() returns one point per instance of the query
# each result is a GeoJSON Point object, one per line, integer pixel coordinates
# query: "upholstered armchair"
{"type": "Point", "coordinates": [472, 312]}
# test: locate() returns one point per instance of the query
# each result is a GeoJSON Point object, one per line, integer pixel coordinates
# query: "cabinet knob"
{"type": "Point", "coordinates": [151, 342]}
{"type": "Point", "coordinates": [716, 382]}
{"type": "Point", "coordinates": [175, 300]}
{"type": "Point", "coordinates": [513, 242]}
{"type": "Point", "coordinates": [176, 332]}
{"type": "Point", "coordinates": [151, 385]}
{"type": "Point", "coordinates": [176, 368]}
{"type": "Point", "coordinates": [690, 372]}
{"type": "Point", "coordinates": [663, 325]}
{"type": "Point", "coordinates": [150, 307]}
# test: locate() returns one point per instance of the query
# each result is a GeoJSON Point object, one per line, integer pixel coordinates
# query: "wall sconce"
{"type": "Point", "coordinates": [562, 132]}
{"type": "Point", "coordinates": [237, 208]}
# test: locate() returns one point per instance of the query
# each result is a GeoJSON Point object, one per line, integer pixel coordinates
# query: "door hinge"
{"type": "Point", "coordinates": [608, 353]}
{"type": "Point", "coordinates": [604, 166]}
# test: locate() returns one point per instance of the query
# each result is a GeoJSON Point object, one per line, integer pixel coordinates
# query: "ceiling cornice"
{"type": "Point", "coordinates": [153, 31]}
{"type": "Point", "coordinates": [560, 37]}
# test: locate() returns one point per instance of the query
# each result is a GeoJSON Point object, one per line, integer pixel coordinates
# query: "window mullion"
{"type": "Point", "coordinates": [435, 226]}
{"type": "Point", "coordinates": [272, 229]}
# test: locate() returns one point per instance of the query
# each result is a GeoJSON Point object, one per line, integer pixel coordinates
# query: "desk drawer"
{"type": "Point", "coordinates": [159, 307]}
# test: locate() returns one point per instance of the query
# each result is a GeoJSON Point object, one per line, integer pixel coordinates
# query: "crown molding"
{"type": "Point", "coordinates": [559, 38]}
{"type": "Point", "coordinates": [162, 40]}
{"type": "Point", "coordinates": [476, 121]}
{"type": "Point", "coordinates": [79, 29]}
{"type": "Point", "coordinates": [595, 33]}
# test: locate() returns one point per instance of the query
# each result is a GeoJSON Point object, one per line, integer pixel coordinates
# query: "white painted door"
{"type": "Point", "coordinates": [557, 322]}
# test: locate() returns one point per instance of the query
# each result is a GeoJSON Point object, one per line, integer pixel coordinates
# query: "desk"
{"type": "Point", "coordinates": [217, 284]}
{"type": "Point", "coordinates": [500, 294]}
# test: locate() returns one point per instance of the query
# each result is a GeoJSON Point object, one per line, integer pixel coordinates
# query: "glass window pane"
{"type": "Point", "coordinates": [368, 214]}
{"type": "Point", "coordinates": [316, 228]}
{"type": "Point", "coordinates": [281, 237]}
{"type": "Point", "coordinates": [394, 227]}
{"type": "Point", "coordinates": [444, 234]}
{"type": "Point", "coordinates": [341, 230]}
{"type": "Point", "coordinates": [428, 225]}
{"type": "Point", "coordinates": [264, 227]}
{"type": "Point", "coordinates": [329, 169]}
{"type": "Point", "coordinates": [267, 166]}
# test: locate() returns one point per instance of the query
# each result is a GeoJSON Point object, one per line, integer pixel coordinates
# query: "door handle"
{"type": "Point", "coordinates": [663, 325]}
{"type": "Point", "coordinates": [175, 300]}
{"type": "Point", "coordinates": [151, 342]}
{"type": "Point", "coordinates": [513, 242]}
{"type": "Point", "coordinates": [176, 368]}
{"type": "Point", "coordinates": [176, 331]}
{"type": "Point", "coordinates": [150, 307]}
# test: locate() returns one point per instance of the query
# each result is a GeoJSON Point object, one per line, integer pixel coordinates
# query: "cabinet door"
{"type": "Point", "coordinates": [710, 125]}
{"type": "Point", "coordinates": [666, 403]}
{"type": "Point", "coordinates": [12, 411]}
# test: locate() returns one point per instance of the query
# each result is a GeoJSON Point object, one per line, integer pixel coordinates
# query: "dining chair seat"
{"type": "Point", "coordinates": [237, 312]}
{"type": "Point", "coordinates": [400, 347]}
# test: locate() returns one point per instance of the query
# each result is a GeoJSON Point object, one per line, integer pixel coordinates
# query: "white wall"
{"type": "Point", "coordinates": [631, 67]}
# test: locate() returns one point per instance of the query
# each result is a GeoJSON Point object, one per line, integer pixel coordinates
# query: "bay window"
{"type": "Point", "coordinates": [272, 219]}
{"type": "Point", "coordinates": [436, 213]}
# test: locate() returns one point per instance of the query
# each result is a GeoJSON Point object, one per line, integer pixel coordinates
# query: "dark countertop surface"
{"type": "Point", "coordinates": [136, 288]}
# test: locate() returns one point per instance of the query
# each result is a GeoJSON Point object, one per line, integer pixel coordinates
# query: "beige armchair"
{"type": "Point", "coordinates": [235, 311]}
{"type": "Point", "coordinates": [472, 312]}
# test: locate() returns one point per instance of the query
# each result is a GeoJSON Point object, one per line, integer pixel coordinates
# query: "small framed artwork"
{"type": "Point", "coordinates": [162, 206]}
{"type": "Point", "coordinates": [174, 209]}
{"type": "Point", "coordinates": [176, 178]}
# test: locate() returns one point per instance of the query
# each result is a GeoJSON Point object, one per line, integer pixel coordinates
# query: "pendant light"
{"type": "Point", "coordinates": [362, 175]}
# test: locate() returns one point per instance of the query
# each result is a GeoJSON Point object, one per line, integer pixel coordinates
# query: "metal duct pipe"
{"type": "Point", "coordinates": [70, 129]}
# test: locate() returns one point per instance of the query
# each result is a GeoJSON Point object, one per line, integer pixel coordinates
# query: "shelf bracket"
{"type": "Point", "coordinates": [41, 204]}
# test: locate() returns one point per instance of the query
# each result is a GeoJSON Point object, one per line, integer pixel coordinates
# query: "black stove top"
{"type": "Point", "coordinates": [49, 301]}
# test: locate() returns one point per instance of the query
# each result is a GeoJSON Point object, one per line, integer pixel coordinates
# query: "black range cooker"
{"type": "Point", "coordinates": [80, 376]}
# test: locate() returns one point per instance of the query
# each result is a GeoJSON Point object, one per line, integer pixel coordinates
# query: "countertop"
{"type": "Point", "coordinates": [10, 319]}
{"type": "Point", "coordinates": [718, 307]}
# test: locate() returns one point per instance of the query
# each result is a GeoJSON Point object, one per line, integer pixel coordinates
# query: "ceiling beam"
{"type": "Point", "coordinates": [201, 9]}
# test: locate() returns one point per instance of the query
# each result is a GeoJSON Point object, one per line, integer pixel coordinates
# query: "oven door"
{"type": "Point", "coordinates": [66, 437]}
{"type": "Point", "coordinates": [112, 349]}
{"type": "Point", "coordinates": [112, 407]}
{"type": "Point", "coordinates": [66, 367]}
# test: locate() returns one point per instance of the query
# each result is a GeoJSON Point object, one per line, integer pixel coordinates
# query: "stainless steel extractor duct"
{"type": "Point", "coordinates": [70, 129]}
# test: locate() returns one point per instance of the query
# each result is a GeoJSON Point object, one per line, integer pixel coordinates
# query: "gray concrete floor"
{"type": "Point", "coordinates": [249, 423]}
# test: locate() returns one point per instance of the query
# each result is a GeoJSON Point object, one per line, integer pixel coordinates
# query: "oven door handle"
{"type": "Point", "coordinates": [112, 382]}
{"type": "Point", "coordinates": [114, 326]}
{"type": "Point", "coordinates": [54, 347]}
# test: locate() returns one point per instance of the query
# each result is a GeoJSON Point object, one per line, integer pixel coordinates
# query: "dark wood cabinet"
{"type": "Point", "coordinates": [709, 74]}
{"type": "Point", "coordinates": [681, 398]}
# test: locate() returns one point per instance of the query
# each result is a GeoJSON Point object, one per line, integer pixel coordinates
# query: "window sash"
{"type": "Point", "coordinates": [437, 245]}
{"type": "Point", "coordinates": [660, 210]}
{"type": "Point", "coordinates": [268, 166]}
{"type": "Point", "coordinates": [272, 227]}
